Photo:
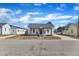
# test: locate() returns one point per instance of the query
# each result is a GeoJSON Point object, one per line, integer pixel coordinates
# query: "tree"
{"type": "Point", "coordinates": [50, 23]}
{"type": "Point", "coordinates": [60, 29]}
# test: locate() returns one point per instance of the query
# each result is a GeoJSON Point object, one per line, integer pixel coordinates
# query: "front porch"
{"type": "Point", "coordinates": [40, 31]}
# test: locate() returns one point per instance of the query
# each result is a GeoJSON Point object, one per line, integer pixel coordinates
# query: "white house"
{"type": "Point", "coordinates": [41, 29]}
{"type": "Point", "coordinates": [6, 29]}
{"type": "Point", "coordinates": [17, 30]}
{"type": "Point", "coordinates": [20, 30]}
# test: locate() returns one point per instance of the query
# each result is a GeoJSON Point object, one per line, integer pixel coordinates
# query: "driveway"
{"type": "Point", "coordinates": [65, 37]}
{"type": "Point", "coordinates": [39, 47]}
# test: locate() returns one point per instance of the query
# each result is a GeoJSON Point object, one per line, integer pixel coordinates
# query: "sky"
{"type": "Point", "coordinates": [21, 14]}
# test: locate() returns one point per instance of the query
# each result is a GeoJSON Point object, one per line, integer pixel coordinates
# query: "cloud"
{"type": "Point", "coordinates": [48, 17]}
{"type": "Point", "coordinates": [12, 21]}
{"type": "Point", "coordinates": [55, 16]}
{"type": "Point", "coordinates": [27, 18]}
{"type": "Point", "coordinates": [4, 10]}
{"type": "Point", "coordinates": [24, 18]}
{"type": "Point", "coordinates": [58, 8]}
{"type": "Point", "coordinates": [64, 21]}
{"type": "Point", "coordinates": [76, 8]}
{"type": "Point", "coordinates": [39, 4]}
{"type": "Point", "coordinates": [8, 15]}
{"type": "Point", "coordinates": [18, 11]}
{"type": "Point", "coordinates": [61, 7]}
{"type": "Point", "coordinates": [64, 17]}
{"type": "Point", "coordinates": [33, 13]}
{"type": "Point", "coordinates": [75, 17]}
{"type": "Point", "coordinates": [5, 13]}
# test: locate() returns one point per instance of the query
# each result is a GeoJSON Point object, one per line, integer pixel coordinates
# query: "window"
{"type": "Point", "coordinates": [71, 31]}
{"type": "Point", "coordinates": [47, 30]}
{"type": "Point", "coordinates": [66, 28]}
{"type": "Point", "coordinates": [13, 30]}
{"type": "Point", "coordinates": [18, 30]}
{"type": "Point", "coordinates": [5, 29]}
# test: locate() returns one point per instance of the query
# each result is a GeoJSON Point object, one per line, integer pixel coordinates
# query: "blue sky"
{"type": "Point", "coordinates": [21, 14]}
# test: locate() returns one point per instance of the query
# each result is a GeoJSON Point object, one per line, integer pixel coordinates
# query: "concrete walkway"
{"type": "Point", "coordinates": [65, 37]}
{"type": "Point", "coordinates": [4, 37]}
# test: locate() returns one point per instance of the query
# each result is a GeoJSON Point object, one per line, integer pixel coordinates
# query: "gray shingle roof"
{"type": "Point", "coordinates": [12, 26]}
{"type": "Point", "coordinates": [40, 25]}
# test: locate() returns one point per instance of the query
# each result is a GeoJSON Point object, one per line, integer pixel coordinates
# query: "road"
{"type": "Point", "coordinates": [39, 47]}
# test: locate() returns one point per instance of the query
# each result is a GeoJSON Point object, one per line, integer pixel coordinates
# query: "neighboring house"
{"type": "Point", "coordinates": [20, 30]}
{"type": "Point", "coordinates": [17, 30]}
{"type": "Point", "coordinates": [13, 29]}
{"type": "Point", "coordinates": [70, 29]}
{"type": "Point", "coordinates": [59, 30]}
{"type": "Point", "coordinates": [41, 29]}
{"type": "Point", "coordinates": [5, 29]}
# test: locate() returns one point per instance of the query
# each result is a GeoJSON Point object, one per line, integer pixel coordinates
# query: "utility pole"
{"type": "Point", "coordinates": [78, 27]}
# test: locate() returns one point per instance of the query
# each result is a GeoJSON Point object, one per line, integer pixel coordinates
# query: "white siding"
{"type": "Point", "coordinates": [29, 32]}
{"type": "Point", "coordinates": [33, 31]}
{"type": "Point", "coordinates": [44, 31]}
{"type": "Point", "coordinates": [13, 31]}
{"type": "Point", "coordinates": [20, 31]}
{"type": "Point", "coordinates": [6, 29]}
{"type": "Point", "coordinates": [52, 31]}
{"type": "Point", "coordinates": [47, 31]}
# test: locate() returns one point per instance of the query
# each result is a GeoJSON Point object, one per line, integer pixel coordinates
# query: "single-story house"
{"type": "Point", "coordinates": [41, 29]}
{"type": "Point", "coordinates": [71, 29]}
{"type": "Point", "coordinates": [6, 29]}
{"type": "Point", "coordinates": [17, 30]}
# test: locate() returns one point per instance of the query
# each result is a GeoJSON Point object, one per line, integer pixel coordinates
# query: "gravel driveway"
{"type": "Point", "coordinates": [39, 47]}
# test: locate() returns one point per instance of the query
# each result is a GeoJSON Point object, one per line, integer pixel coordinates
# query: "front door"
{"type": "Point", "coordinates": [40, 31]}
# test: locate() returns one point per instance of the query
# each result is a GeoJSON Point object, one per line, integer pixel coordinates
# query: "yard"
{"type": "Point", "coordinates": [34, 37]}
{"type": "Point", "coordinates": [72, 36]}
